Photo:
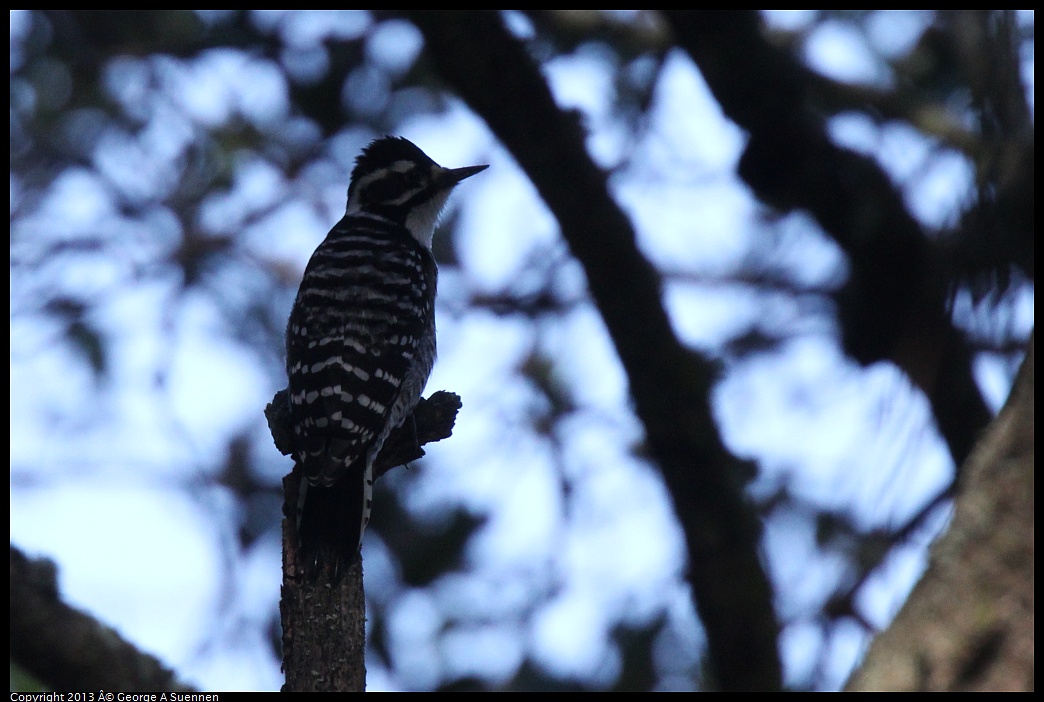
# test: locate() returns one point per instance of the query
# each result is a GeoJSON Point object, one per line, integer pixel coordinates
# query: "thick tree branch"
{"type": "Point", "coordinates": [68, 650]}
{"type": "Point", "coordinates": [968, 625]}
{"type": "Point", "coordinates": [670, 384]}
{"type": "Point", "coordinates": [324, 633]}
{"type": "Point", "coordinates": [894, 304]}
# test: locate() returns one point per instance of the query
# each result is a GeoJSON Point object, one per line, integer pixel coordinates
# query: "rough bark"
{"type": "Point", "coordinates": [968, 624]}
{"type": "Point", "coordinates": [324, 621]}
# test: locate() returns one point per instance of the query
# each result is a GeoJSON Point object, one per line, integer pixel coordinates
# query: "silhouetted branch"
{"type": "Point", "coordinates": [893, 306]}
{"type": "Point", "coordinates": [324, 634]}
{"type": "Point", "coordinates": [670, 384]}
{"type": "Point", "coordinates": [68, 650]}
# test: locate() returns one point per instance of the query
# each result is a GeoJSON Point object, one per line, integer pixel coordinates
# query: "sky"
{"type": "Point", "coordinates": [123, 502]}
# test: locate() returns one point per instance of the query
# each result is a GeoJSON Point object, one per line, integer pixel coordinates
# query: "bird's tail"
{"type": "Point", "coordinates": [330, 523]}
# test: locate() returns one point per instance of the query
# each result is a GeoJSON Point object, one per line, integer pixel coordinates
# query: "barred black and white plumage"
{"type": "Point", "coordinates": [361, 340]}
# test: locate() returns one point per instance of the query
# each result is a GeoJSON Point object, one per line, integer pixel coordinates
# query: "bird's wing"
{"type": "Point", "coordinates": [349, 384]}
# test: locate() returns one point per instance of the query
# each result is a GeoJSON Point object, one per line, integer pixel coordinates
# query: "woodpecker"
{"type": "Point", "coordinates": [360, 343]}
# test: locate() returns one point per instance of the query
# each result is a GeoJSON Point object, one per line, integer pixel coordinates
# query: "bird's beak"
{"type": "Point", "coordinates": [452, 176]}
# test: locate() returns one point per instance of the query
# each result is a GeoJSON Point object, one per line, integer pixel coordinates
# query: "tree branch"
{"type": "Point", "coordinates": [68, 650]}
{"type": "Point", "coordinates": [894, 305]}
{"type": "Point", "coordinates": [670, 384]}
{"type": "Point", "coordinates": [968, 624]}
{"type": "Point", "coordinates": [324, 633]}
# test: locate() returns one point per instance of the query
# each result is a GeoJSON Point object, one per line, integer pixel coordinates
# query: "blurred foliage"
{"type": "Point", "coordinates": [139, 142]}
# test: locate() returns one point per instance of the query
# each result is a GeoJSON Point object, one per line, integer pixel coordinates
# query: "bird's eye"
{"type": "Point", "coordinates": [394, 185]}
{"type": "Point", "coordinates": [413, 178]}
{"type": "Point", "coordinates": [389, 187]}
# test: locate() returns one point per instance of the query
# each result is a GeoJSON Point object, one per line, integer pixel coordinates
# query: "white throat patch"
{"type": "Point", "coordinates": [422, 218]}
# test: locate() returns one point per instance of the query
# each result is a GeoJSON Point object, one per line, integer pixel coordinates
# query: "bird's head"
{"type": "Point", "coordinates": [395, 180]}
